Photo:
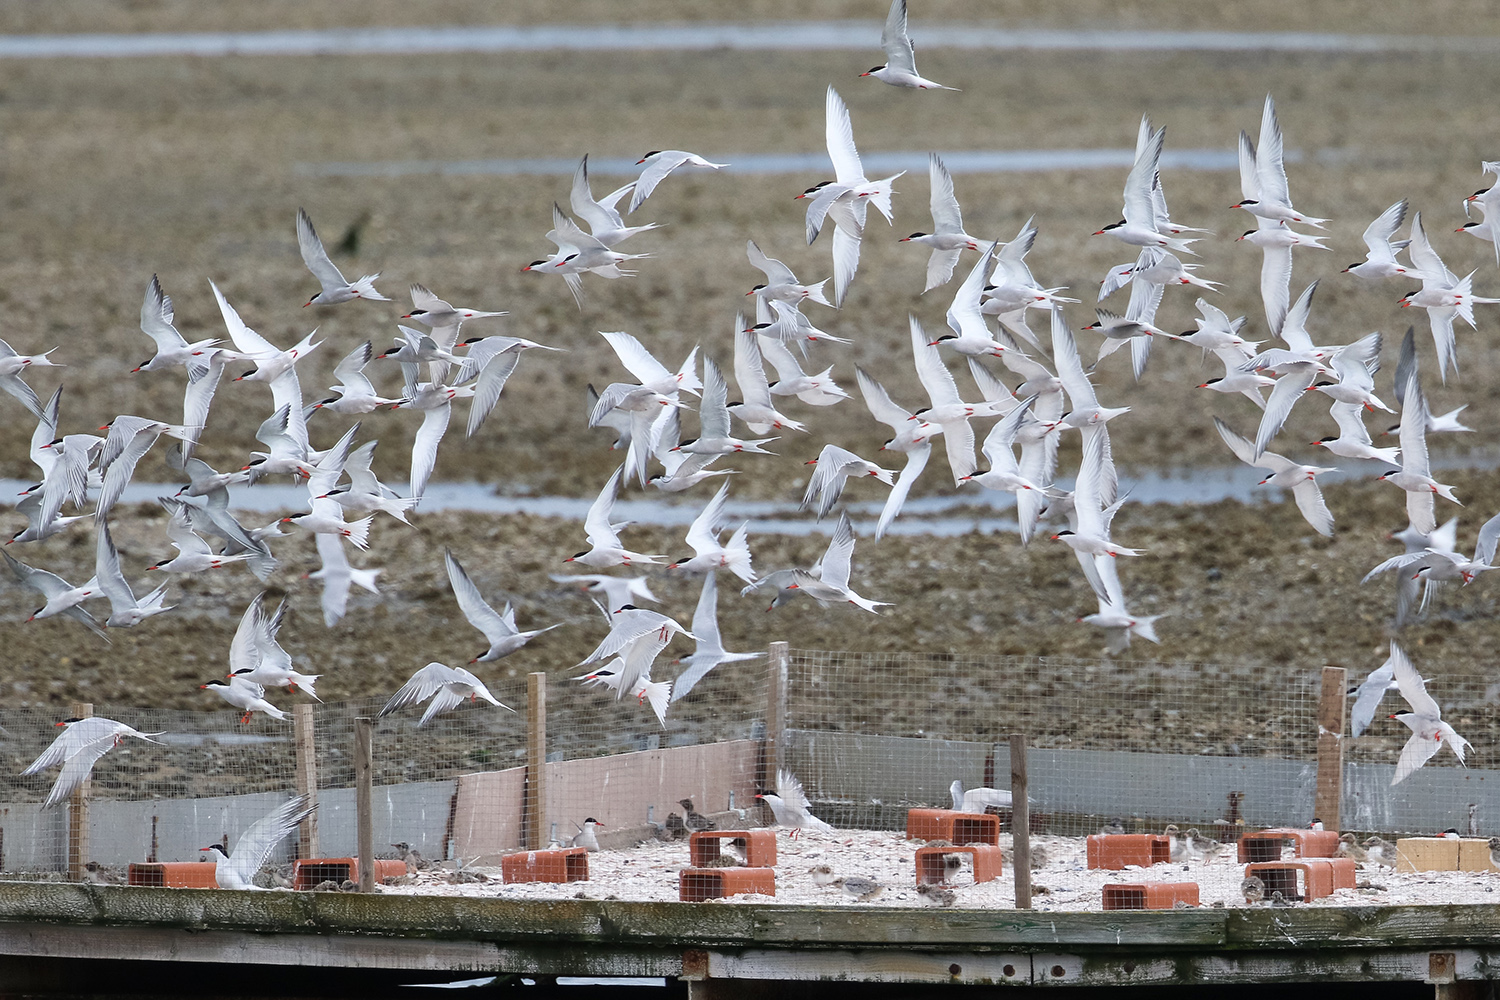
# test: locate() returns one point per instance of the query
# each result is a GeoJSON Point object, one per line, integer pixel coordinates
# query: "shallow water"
{"type": "Point", "coordinates": [961, 161]}
{"type": "Point", "coordinates": [976, 510]}
{"type": "Point", "coordinates": [806, 35]}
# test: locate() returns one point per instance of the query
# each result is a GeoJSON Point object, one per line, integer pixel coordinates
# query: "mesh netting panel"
{"type": "Point", "coordinates": [1225, 748]}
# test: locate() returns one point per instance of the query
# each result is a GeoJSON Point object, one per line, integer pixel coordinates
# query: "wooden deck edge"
{"type": "Point", "coordinates": [686, 925]}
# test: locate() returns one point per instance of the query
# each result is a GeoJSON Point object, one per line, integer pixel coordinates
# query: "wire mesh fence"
{"type": "Point", "coordinates": [870, 735]}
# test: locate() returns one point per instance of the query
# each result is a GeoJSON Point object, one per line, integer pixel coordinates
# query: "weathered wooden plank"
{"type": "Point", "coordinates": [1189, 967]}
{"type": "Point", "coordinates": [1020, 823]}
{"type": "Point", "coordinates": [306, 772]}
{"type": "Point", "coordinates": [1329, 793]}
{"type": "Point", "coordinates": [895, 966]}
{"type": "Point", "coordinates": [1384, 926]}
{"type": "Point", "coordinates": [536, 825]}
{"type": "Point", "coordinates": [778, 663]}
{"type": "Point", "coordinates": [78, 812]}
{"type": "Point", "coordinates": [587, 923]}
{"type": "Point", "coordinates": [364, 756]}
{"type": "Point", "coordinates": [998, 929]}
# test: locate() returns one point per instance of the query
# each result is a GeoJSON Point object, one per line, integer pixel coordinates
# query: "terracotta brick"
{"type": "Point", "coordinates": [1114, 851]}
{"type": "Point", "coordinates": [1149, 895]}
{"type": "Point", "coordinates": [954, 827]}
{"type": "Point", "coordinates": [985, 859]}
{"type": "Point", "coordinates": [308, 872]}
{"type": "Point", "coordinates": [565, 864]}
{"type": "Point", "coordinates": [1265, 845]}
{"type": "Point", "coordinates": [173, 874]}
{"type": "Point", "coordinates": [694, 885]}
{"type": "Point", "coordinates": [1320, 877]}
{"type": "Point", "coordinates": [759, 846]}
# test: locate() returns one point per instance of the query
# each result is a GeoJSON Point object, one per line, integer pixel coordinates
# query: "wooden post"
{"type": "Point", "coordinates": [78, 812]}
{"type": "Point", "coordinates": [1327, 799]}
{"type": "Point", "coordinates": [306, 777]}
{"type": "Point", "coordinates": [778, 662]}
{"type": "Point", "coordinates": [364, 819]}
{"type": "Point", "coordinates": [1020, 822]}
{"type": "Point", "coordinates": [535, 827]}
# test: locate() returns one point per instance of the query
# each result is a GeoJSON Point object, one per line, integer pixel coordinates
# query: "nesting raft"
{"type": "Point", "coordinates": [719, 947]}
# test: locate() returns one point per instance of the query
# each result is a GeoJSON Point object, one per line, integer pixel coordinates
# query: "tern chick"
{"type": "Point", "coordinates": [863, 890]}
{"type": "Point", "coordinates": [936, 895]}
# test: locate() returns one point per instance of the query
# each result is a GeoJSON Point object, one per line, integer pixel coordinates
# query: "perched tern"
{"type": "Point", "coordinates": [977, 800]}
{"type": "Point", "coordinates": [255, 846]}
{"type": "Point", "coordinates": [790, 806]}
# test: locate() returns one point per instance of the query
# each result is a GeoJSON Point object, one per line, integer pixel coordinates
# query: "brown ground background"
{"type": "Point", "coordinates": [193, 169]}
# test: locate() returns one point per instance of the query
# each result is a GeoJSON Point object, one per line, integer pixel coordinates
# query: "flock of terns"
{"type": "Point", "coordinates": [1049, 397]}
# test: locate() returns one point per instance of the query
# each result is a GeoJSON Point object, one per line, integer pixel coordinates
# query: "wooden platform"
{"type": "Point", "coordinates": [718, 947]}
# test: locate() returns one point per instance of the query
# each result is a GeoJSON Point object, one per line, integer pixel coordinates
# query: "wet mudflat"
{"type": "Point", "coordinates": [193, 169]}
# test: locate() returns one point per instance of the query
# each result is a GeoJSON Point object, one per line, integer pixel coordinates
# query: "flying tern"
{"type": "Point", "coordinates": [1263, 182]}
{"type": "Point", "coordinates": [900, 69]}
{"type": "Point", "coordinates": [710, 652]}
{"type": "Point", "coordinates": [659, 163]}
{"type": "Point", "coordinates": [1425, 720]}
{"type": "Point", "coordinates": [947, 239]}
{"type": "Point", "coordinates": [499, 627]}
{"type": "Point", "coordinates": [781, 283]}
{"type": "Point", "coordinates": [335, 287]}
{"type": "Point", "coordinates": [78, 748]}
{"type": "Point", "coordinates": [448, 687]}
